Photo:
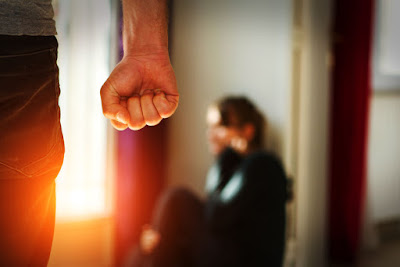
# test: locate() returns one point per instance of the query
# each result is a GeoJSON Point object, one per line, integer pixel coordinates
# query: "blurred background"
{"type": "Point", "coordinates": [326, 73]}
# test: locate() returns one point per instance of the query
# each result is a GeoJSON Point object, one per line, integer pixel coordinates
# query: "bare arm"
{"type": "Point", "coordinates": [145, 26]}
{"type": "Point", "coordinates": [142, 88]}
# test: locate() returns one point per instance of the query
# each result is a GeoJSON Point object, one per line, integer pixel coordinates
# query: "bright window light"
{"type": "Point", "coordinates": [84, 48]}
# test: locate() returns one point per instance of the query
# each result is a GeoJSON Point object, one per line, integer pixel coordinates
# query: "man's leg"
{"type": "Point", "coordinates": [27, 222]}
{"type": "Point", "coordinates": [31, 148]}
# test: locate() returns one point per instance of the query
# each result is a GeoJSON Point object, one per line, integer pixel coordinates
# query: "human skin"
{"type": "Point", "coordinates": [142, 88]}
{"type": "Point", "coordinates": [220, 136]}
{"type": "Point", "coordinates": [149, 239]}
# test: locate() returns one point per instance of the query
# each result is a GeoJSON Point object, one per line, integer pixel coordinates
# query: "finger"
{"type": "Point", "coordinates": [117, 113]}
{"type": "Point", "coordinates": [118, 125]}
{"type": "Point", "coordinates": [111, 104]}
{"type": "Point", "coordinates": [150, 112]}
{"type": "Point", "coordinates": [137, 121]}
{"type": "Point", "coordinates": [165, 104]}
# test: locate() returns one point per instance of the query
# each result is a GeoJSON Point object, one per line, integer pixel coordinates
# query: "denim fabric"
{"type": "Point", "coordinates": [31, 148]}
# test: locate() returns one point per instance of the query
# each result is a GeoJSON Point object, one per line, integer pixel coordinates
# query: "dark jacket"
{"type": "Point", "coordinates": [245, 211]}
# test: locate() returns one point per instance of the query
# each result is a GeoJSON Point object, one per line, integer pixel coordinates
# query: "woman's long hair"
{"type": "Point", "coordinates": [238, 111]}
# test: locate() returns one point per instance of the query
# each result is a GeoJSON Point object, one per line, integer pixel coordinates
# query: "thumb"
{"type": "Point", "coordinates": [117, 113]}
{"type": "Point", "coordinates": [112, 106]}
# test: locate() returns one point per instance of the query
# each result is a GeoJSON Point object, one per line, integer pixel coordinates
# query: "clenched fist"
{"type": "Point", "coordinates": [140, 91]}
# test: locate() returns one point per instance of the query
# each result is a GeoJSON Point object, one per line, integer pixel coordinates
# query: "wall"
{"type": "Point", "coordinates": [384, 132]}
{"type": "Point", "coordinates": [226, 47]}
{"type": "Point", "coordinates": [312, 155]}
{"type": "Point", "coordinates": [83, 244]}
{"type": "Point", "coordinates": [384, 155]}
{"type": "Point", "coordinates": [221, 47]}
{"type": "Point", "coordinates": [84, 44]}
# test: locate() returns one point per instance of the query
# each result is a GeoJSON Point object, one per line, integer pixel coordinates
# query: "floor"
{"type": "Point", "coordinates": [387, 255]}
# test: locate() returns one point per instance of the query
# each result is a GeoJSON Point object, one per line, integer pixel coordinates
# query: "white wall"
{"type": "Point", "coordinates": [384, 131]}
{"type": "Point", "coordinates": [226, 47]}
{"type": "Point", "coordinates": [84, 36]}
{"type": "Point", "coordinates": [384, 157]}
{"type": "Point", "coordinates": [84, 45]}
{"type": "Point", "coordinates": [312, 151]}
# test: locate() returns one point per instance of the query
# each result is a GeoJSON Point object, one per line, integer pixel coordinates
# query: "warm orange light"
{"type": "Point", "coordinates": [83, 60]}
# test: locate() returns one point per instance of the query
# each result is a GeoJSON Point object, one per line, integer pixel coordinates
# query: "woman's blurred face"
{"type": "Point", "coordinates": [219, 136]}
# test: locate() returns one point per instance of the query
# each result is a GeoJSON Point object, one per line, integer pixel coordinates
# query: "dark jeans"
{"type": "Point", "coordinates": [31, 148]}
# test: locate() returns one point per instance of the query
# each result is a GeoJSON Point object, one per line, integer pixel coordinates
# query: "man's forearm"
{"type": "Point", "coordinates": [145, 28]}
{"type": "Point", "coordinates": [142, 89]}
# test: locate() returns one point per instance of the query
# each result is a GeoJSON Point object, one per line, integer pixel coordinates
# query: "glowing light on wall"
{"type": "Point", "coordinates": [84, 37]}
